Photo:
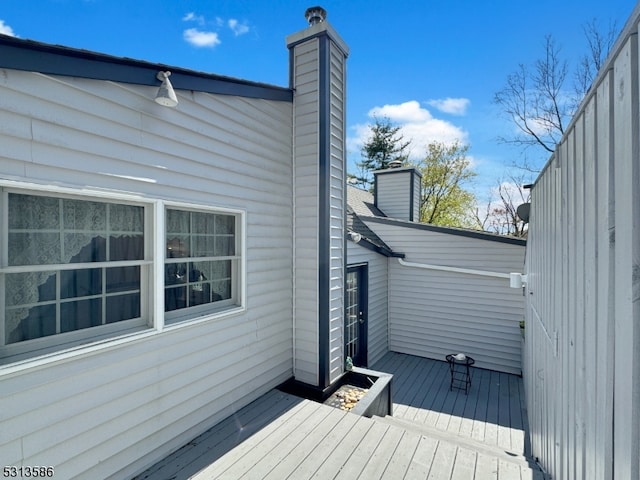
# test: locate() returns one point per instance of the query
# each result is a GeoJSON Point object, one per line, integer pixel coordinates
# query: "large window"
{"type": "Point", "coordinates": [75, 269]}
{"type": "Point", "coordinates": [70, 264]}
{"type": "Point", "coordinates": [201, 264]}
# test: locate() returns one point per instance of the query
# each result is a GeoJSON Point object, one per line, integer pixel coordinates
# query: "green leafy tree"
{"type": "Point", "coordinates": [445, 201]}
{"type": "Point", "coordinates": [385, 144]}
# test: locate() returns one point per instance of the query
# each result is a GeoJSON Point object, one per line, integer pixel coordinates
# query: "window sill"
{"type": "Point", "coordinates": [20, 363]}
{"type": "Point", "coordinates": [188, 320]}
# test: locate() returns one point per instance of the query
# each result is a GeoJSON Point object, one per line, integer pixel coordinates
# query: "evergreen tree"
{"type": "Point", "coordinates": [385, 145]}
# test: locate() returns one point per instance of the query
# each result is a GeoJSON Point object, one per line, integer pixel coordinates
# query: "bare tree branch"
{"type": "Point", "coordinates": [537, 100]}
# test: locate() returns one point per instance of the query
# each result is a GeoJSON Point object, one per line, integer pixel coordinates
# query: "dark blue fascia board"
{"type": "Point", "coordinates": [492, 237]}
{"type": "Point", "coordinates": [324, 215]}
{"type": "Point", "coordinates": [28, 55]}
{"type": "Point", "coordinates": [369, 245]}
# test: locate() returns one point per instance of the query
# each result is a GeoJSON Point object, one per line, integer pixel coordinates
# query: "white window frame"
{"type": "Point", "coordinates": [36, 347]}
{"type": "Point", "coordinates": [206, 312]}
{"type": "Point", "coordinates": [43, 350]}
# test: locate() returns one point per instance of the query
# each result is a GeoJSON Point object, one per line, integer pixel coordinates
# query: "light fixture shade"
{"type": "Point", "coordinates": [166, 96]}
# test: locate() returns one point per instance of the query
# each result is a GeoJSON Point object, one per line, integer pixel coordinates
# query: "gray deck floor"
{"type": "Point", "coordinates": [493, 412]}
{"type": "Point", "coordinates": [434, 434]}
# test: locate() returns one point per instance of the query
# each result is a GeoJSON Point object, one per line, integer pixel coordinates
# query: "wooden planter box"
{"type": "Point", "coordinates": [377, 400]}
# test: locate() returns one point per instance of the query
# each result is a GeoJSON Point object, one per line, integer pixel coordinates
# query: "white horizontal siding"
{"type": "Point", "coordinates": [305, 165]}
{"type": "Point", "coordinates": [118, 409]}
{"type": "Point", "coordinates": [434, 313]}
{"type": "Point", "coordinates": [378, 338]}
{"type": "Point", "coordinates": [393, 194]}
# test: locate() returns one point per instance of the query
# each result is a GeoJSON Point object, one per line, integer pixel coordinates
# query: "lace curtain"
{"type": "Point", "coordinates": [53, 231]}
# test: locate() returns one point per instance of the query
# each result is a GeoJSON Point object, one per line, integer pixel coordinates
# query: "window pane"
{"type": "Point", "coordinates": [177, 221]}
{"type": "Point", "coordinates": [192, 235]}
{"type": "Point", "coordinates": [225, 246]}
{"type": "Point", "coordinates": [80, 314]}
{"type": "Point", "coordinates": [34, 248]}
{"type": "Point", "coordinates": [32, 212]}
{"type": "Point", "coordinates": [178, 247]}
{"type": "Point", "coordinates": [123, 279]}
{"type": "Point", "coordinates": [29, 323]}
{"type": "Point", "coordinates": [126, 247]}
{"type": "Point", "coordinates": [84, 215]}
{"type": "Point", "coordinates": [84, 247]}
{"type": "Point", "coordinates": [221, 269]}
{"type": "Point", "coordinates": [126, 218]}
{"type": "Point", "coordinates": [80, 283]}
{"type": "Point", "coordinates": [203, 246]}
{"type": "Point", "coordinates": [175, 298]}
{"type": "Point", "coordinates": [175, 273]}
{"type": "Point", "coordinates": [222, 290]}
{"type": "Point", "coordinates": [225, 224]}
{"type": "Point", "coordinates": [199, 293]}
{"type": "Point", "coordinates": [123, 307]}
{"type": "Point", "coordinates": [29, 288]}
{"type": "Point", "coordinates": [203, 222]}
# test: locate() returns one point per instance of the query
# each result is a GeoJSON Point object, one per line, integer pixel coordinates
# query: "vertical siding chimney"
{"type": "Point", "coordinates": [397, 192]}
{"type": "Point", "coordinates": [317, 76]}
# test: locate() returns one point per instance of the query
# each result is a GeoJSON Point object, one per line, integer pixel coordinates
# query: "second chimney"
{"type": "Point", "coordinates": [397, 192]}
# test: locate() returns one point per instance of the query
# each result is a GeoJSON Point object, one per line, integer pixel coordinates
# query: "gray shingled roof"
{"type": "Point", "coordinates": [361, 203]}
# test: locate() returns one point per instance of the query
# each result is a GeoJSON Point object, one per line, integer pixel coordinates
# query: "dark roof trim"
{"type": "Point", "coordinates": [492, 237]}
{"type": "Point", "coordinates": [327, 33]}
{"type": "Point", "coordinates": [19, 54]}
{"type": "Point", "coordinates": [396, 170]}
{"type": "Point", "coordinates": [369, 245]}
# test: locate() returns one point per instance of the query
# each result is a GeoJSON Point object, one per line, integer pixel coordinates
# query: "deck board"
{"type": "Point", "coordinates": [399, 463]}
{"type": "Point", "coordinates": [298, 450]}
{"type": "Point", "coordinates": [422, 459]}
{"type": "Point", "coordinates": [465, 464]}
{"type": "Point", "coordinates": [334, 463]}
{"type": "Point", "coordinates": [434, 433]}
{"type": "Point", "coordinates": [365, 450]}
{"type": "Point", "coordinates": [382, 454]}
{"type": "Point", "coordinates": [443, 461]}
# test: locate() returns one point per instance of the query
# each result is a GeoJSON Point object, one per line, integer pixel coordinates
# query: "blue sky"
{"type": "Point", "coordinates": [432, 66]}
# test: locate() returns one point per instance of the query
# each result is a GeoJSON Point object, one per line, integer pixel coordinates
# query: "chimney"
{"type": "Point", "coordinates": [318, 78]}
{"type": "Point", "coordinates": [397, 192]}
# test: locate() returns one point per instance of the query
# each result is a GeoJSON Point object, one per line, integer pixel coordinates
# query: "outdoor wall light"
{"type": "Point", "coordinates": [166, 96]}
{"type": "Point", "coordinates": [355, 236]}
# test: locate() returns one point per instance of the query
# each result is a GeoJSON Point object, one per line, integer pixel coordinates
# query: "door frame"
{"type": "Point", "coordinates": [362, 278]}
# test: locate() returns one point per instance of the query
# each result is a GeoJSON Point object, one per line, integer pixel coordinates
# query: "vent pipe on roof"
{"type": "Point", "coordinates": [315, 15]}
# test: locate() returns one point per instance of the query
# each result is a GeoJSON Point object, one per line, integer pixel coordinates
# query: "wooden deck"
{"type": "Point", "coordinates": [434, 434]}
{"type": "Point", "coordinates": [493, 412]}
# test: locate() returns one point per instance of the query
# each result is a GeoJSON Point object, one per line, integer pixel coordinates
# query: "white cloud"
{"type": "Point", "coordinates": [453, 106]}
{"type": "Point", "coordinates": [198, 38]}
{"type": "Point", "coordinates": [417, 124]}
{"type": "Point", "coordinates": [237, 28]}
{"type": "Point", "coordinates": [192, 17]}
{"type": "Point", "coordinates": [6, 29]}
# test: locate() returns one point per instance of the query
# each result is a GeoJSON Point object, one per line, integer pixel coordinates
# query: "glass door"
{"type": "Point", "coordinates": [355, 328]}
